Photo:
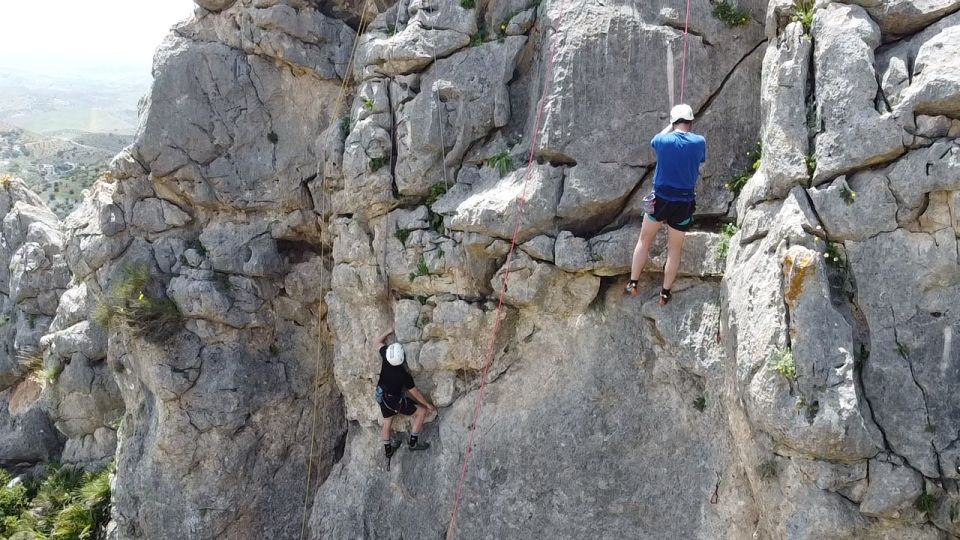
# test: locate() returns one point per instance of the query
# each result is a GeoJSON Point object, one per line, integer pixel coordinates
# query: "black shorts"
{"type": "Point", "coordinates": [678, 215]}
{"type": "Point", "coordinates": [405, 406]}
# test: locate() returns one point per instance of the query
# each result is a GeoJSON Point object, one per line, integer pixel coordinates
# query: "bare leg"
{"type": "Point", "coordinates": [387, 430]}
{"type": "Point", "coordinates": [419, 418]}
{"type": "Point", "coordinates": [674, 253]}
{"type": "Point", "coordinates": [648, 231]}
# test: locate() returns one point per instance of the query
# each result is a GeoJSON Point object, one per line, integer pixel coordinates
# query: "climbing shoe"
{"type": "Point", "coordinates": [391, 448]}
{"type": "Point", "coordinates": [418, 445]}
{"type": "Point", "coordinates": [631, 288]}
{"type": "Point", "coordinates": [664, 296]}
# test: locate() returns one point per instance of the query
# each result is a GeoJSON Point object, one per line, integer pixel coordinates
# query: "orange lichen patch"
{"type": "Point", "coordinates": [797, 269]}
{"type": "Point", "coordinates": [24, 395]}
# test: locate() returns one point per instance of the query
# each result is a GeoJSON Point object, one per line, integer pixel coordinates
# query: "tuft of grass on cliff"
{"type": "Point", "coordinates": [68, 504]}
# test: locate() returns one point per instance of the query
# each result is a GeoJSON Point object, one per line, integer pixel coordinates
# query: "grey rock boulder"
{"type": "Point", "coordinates": [856, 210]}
{"type": "Point", "coordinates": [492, 206]}
{"type": "Point", "coordinates": [611, 254]}
{"type": "Point", "coordinates": [845, 38]}
{"type": "Point", "coordinates": [453, 110]}
{"type": "Point", "coordinates": [892, 490]}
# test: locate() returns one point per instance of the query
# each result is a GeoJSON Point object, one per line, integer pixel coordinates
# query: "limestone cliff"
{"type": "Point", "coordinates": [309, 173]}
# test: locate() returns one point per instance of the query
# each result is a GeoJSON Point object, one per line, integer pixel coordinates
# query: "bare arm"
{"type": "Point", "coordinates": [382, 339]}
{"type": "Point", "coordinates": [667, 129]}
{"type": "Point", "coordinates": [421, 399]}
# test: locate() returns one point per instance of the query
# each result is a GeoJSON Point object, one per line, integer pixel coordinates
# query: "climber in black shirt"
{"type": "Point", "coordinates": [393, 382]}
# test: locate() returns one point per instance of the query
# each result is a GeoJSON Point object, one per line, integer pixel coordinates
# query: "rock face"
{"type": "Point", "coordinates": [33, 275]}
{"type": "Point", "coordinates": [290, 196]}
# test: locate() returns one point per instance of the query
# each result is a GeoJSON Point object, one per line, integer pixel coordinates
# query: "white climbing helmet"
{"type": "Point", "coordinates": [681, 112]}
{"type": "Point", "coordinates": [395, 354]}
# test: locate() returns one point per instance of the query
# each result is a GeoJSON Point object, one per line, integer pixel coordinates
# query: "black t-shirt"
{"type": "Point", "coordinates": [393, 379]}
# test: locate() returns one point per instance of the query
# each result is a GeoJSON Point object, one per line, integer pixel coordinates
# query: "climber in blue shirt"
{"type": "Point", "coordinates": [680, 152]}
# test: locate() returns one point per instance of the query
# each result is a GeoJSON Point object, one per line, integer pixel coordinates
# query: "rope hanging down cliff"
{"type": "Point", "coordinates": [488, 361]}
{"type": "Point", "coordinates": [319, 361]}
{"type": "Point", "coordinates": [683, 65]}
{"type": "Point", "coordinates": [521, 204]}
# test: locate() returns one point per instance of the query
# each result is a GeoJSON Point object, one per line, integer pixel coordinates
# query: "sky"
{"type": "Point", "coordinates": [55, 34]}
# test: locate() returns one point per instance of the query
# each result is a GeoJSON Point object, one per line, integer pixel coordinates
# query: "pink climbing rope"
{"type": "Point", "coordinates": [521, 205]}
{"type": "Point", "coordinates": [683, 65]}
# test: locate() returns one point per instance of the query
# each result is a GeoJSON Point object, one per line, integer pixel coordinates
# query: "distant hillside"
{"type": "Point", "coordinates": [54, 101]}
{"type": "Point", "coordinates": [58, 167]}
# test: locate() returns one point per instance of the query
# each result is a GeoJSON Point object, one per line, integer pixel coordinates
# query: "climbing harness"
{"type": "Point", "coordinates": [310, 488]}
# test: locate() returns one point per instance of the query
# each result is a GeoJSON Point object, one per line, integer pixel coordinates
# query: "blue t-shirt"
{"type": "Point", "coordinates": [679, 155]}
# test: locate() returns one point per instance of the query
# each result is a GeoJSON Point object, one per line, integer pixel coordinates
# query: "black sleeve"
{"type": "Point", "coordinates": [408, 380]}
{"type": "Point", "coordinates": [383, 352]}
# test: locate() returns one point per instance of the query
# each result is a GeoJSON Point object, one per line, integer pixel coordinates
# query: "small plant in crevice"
{"type": "Point", "coordinates": [344, 128]}
{"type": "Point", "coordinates": [440, 253]}
{"type": "Point", "coordinates": [930, 428]}
{"type": "Point", "coordinates": [784, 364]}
{"type": "Point", "coordinates": [925, 502]}
{"type": "Point", "coordinates": [32, 363]}
{"type": "Point", "coordinates": [768, 469]}
{"type": "Point", "coordinates": [133, 306]}
{"type": "Point", "coordinates": [468, 4]}
{"type": "Point", "coordinates": [47, 376]}
{"type": "Point", "coordinates": [502, 162]}
{"type": "Point", "coordinates": [273, 137]}
{"type": "Point", "coordinates": [436, 191]}
{"type": "Point", "coordinates": [436, 222]}
{"type": "Point", "coordinates": [377, 163]}
{"type": "Point", "coordinates": [810, 408]}
{"type": "Point", "coordinates": [811, 162]}
{"type": "Point", "coordinates": [755, 156]}
{"type": "Point", "coordinates": [391, 30]}
{"type": "Point", "coordinates": [422, 269]}
{"type": "Point", "coordinates": [834, 256]}
{"type": "Point", "coordinates": [903, 350]}
{"type": "Point", "coordinates": [274, 348]}
{"type": "Point", "coordinates": [726, 234]}
{"type": "Point", "coordinates": [368, 104]}
{"type": "Point", "coordinates": [802, 13]}
{"type": "Point", "coordinates": [848, 195]}
{"type": "Point", "coordinates": [502, 31]}
{"type": "Point", "coordinates": [479, 37]}
{"type": "Point", "coordinates": [729, 13]}
{"type": "Point", "coordinates": [197, 246]}
{"type": "Point", "coordinates": [402, 235]}
{"type": "Point", "coordinates": [422, 300]}
{"type": "Point", "coordinates": [700, 404]}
